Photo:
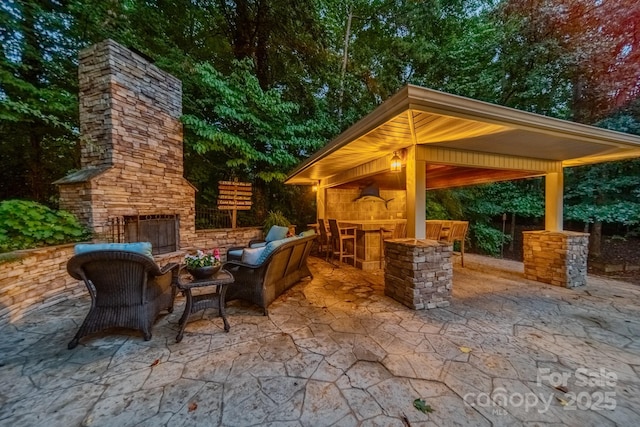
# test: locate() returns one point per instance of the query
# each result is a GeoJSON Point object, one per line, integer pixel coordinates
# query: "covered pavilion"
{"type": "Point", "coordinates": [446, 140]}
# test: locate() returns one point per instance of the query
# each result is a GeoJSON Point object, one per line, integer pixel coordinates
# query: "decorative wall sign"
{"type": "Point", "coordinates": [234, 196]}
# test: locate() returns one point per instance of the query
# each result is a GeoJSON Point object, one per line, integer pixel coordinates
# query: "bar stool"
{"type": "Point", "coordinates": [339, 236]}
{"type": "Point", "coordinates": [324, 243]}
{"type": "Point", "coordinates": [434, 230]}
{"type": "Point", "coordinates": [385, 233]}
{"type": "Point", "coordinates": [459, 232]}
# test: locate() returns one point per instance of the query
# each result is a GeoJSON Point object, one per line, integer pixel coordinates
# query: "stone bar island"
{"type": "Point", "coordinates": [369, 247]}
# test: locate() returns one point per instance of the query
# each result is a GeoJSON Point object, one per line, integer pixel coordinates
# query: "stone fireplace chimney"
{"type": "Point", "coordinates": [131, 149]}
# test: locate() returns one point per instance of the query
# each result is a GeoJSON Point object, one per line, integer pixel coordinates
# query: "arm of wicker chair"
{"type": "Point", "coordinates": [169, 267]}
{"type": "Point", "coordinates": [249, 281]}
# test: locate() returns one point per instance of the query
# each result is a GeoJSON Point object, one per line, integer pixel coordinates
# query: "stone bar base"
{"type": "Point", "coordinates": [418, 273]}
{"type": "Point", "coordinates": [556, 257]}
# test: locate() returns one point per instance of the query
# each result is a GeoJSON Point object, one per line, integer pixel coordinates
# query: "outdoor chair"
{"type": "Point", "coordinates": [339, 238]}
{"type": "Point", "coordinates": [433, 230]}
{"type": "Point", "coordinates": [400, 231]}
{"type": "Point", "coordinates": [385, 233]}
{"type": "Point", "coordinates": [458, 232]}
{"type": "Point", "coordinates": [127, 289]}
{"type": "Point", "coordinates": [324, 243]}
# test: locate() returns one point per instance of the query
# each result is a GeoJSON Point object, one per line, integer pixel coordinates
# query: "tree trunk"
{"type": "Point", "coordinates": [595, 239]}
{"type": "Point", "coordinates": [513, 232]}
{"type": "Point", "coordinates": [243, 31]}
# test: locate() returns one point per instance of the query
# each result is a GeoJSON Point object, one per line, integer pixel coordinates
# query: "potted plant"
{"type": "Point", "coordinates": [203, 265]}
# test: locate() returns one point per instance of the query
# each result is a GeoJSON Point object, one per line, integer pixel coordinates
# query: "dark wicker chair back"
{"type": "Point", "coordinates": [127, 290]}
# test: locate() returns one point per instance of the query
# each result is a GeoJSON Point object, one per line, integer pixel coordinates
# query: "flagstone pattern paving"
{"type": "Point", "coordinates": [335, 351]}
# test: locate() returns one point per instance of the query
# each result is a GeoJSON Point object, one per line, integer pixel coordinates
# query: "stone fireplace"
{"type": "Point", "coordinates": [130, 186]}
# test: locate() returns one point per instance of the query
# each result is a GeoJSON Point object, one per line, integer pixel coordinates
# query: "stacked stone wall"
{"type": "Point", "coordinates": [36, 278]}
{"type": "Point", "coordinates": [557, 258]}
{"type": "Point", "coordinates": [33, 279]}
{"type": "Point", "coordinates": [225, 238]}
{"type": "Point", "coordinates": [418, 273]}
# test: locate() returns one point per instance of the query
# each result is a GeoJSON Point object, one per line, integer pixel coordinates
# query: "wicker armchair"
{"type": "Point", "coordinates": [128, 290]}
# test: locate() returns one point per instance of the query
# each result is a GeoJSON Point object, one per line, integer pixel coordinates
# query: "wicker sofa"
{"type": "Point", "coordinates": [262, 283]}
{"type": "Point", "coordinates": [128, 290]}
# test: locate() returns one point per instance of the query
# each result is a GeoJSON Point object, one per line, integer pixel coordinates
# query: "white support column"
{"type": "Point", "coordinates": [416, 195]}
{"type": "Point", "coordinates": [553, 201]}
{"type": "Point", "coordinates": [321, 202]}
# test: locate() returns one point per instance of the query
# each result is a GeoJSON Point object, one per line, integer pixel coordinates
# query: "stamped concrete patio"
{"type": "Point", "coordinates": [336, 351]}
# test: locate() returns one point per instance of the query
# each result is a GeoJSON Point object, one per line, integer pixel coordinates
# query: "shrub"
{"type": "Point", "coordinates": [26, 225]}
{"type": "Point", "coordinates": [275, 218]}
{"type": "Point", "coordinates": [487, 239]}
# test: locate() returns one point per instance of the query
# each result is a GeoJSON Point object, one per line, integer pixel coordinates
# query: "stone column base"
{"type": "Point", "coordinates": [418, 273]}
{"type": "Point", "coordinates": [556, 257]}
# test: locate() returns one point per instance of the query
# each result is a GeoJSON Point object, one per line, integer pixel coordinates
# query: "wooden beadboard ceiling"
{"type": "Point", "coordinates": [421, 116]}
{"type": "Point", "coordinates": [440, 176]}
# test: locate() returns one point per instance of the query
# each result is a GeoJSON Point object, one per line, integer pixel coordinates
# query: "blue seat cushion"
{"type": "Point", "coordinates": [143, 248]}
{"type": "Point", "coordinates": [276, 232]}
{"type": "Point", "coordinates": [272, 246]}
{"type": "Point", "coordinates": [258, 245]}
{"type": "Point", "coordinates": [306, 233]}
{"type": "Point", "coordinates": [251, 255]}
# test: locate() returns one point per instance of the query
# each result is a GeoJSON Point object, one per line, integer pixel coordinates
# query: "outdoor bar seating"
{"type": "Point", "coordinates": [324, 242]}
{"type": "Point", "coordinates": [448, 231]}
{"type": "Point", "coordinates": [344, 241]}
{"type": "Point", "coordinates": [433, 231]}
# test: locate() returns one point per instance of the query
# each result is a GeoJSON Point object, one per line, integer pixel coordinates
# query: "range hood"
{"type": "Point", "coordinates": [371, 193]}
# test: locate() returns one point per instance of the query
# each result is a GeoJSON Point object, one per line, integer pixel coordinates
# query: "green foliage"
{"type": "Point", "coordinates": [25, 225]}
{"type": "Point", "coordinates": [444, 204]}
{"type": "Point", "coordinates": [486, 239]}
{"type": "Point", "coordinates": [275, 218]}
{"type": "Point", "coordinates": [525, 198]}
{"type": "Point", "coordinates": [607, 192]}
{"type": "Point", "coordinates": [253, 131]}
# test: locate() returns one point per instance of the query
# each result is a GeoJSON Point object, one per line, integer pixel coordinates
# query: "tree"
{"type": "Point", "coordinates": [607, 192]}
{"type": "Point", "coordinates": [586, 51]}
{"type": "Point", "coordinates": [38, 105]}
{"type": "Point", "coordinates": [244, 131]}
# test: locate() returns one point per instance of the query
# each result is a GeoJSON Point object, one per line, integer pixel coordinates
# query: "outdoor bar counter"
{"type": "Point", "coordinates": [369, 248]}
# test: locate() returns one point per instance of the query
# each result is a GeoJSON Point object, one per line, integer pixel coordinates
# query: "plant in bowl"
{"type": "Point", "coordinates": [203, 265]}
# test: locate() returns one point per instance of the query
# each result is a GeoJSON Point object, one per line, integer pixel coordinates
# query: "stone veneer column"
{"type": "Point", "coordinates": [556, 257]}
{"type": "Point", "coordinates": [418, 273]}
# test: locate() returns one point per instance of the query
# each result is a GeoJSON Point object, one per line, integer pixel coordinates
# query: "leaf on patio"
{"type": "Point", "coordinates": [562, 389]}
{"type": "Point", "coordinates": [155, 362]}
{"type": "Point", "coordinates": [466, 349]}
{"type": "Point", "coordinates": [421, 405]}
{"type": "Point", "coordinates": [193, 406]}
{"type": "Point", "coordinates": [562, 401]}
